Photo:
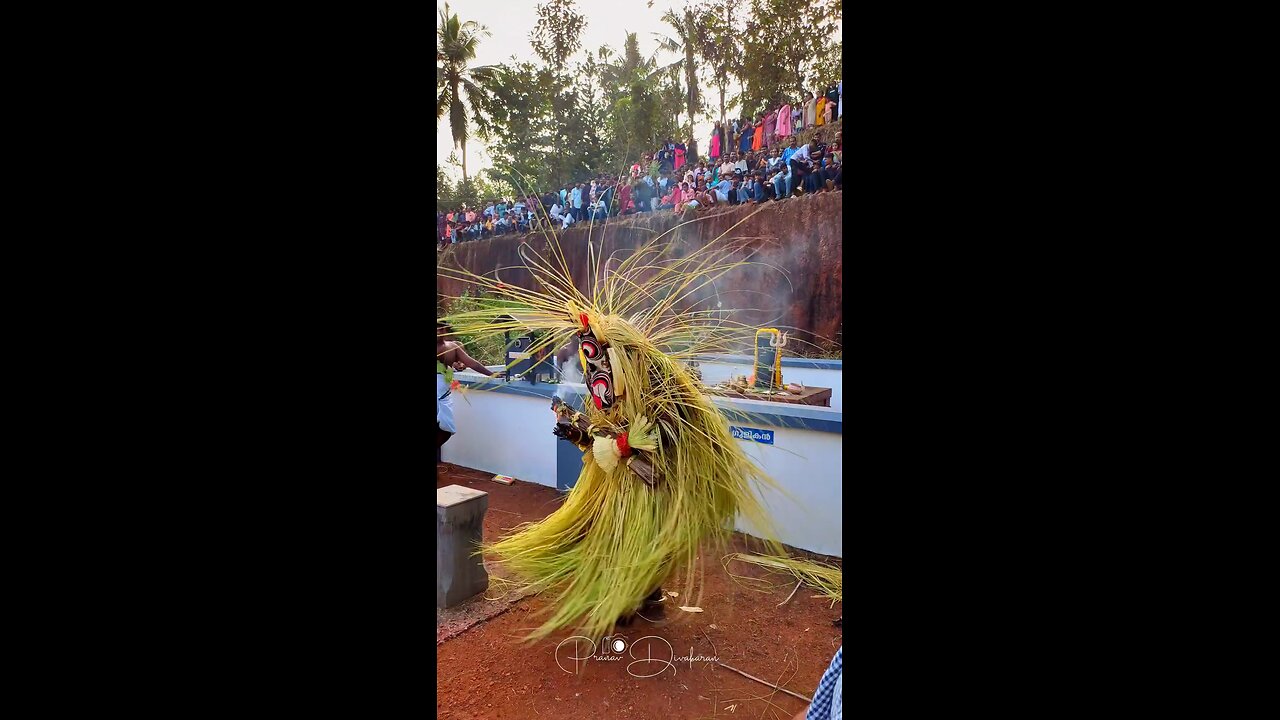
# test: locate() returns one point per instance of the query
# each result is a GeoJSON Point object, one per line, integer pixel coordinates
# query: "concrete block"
{"type": "Point", "coordinates": [459, 530]}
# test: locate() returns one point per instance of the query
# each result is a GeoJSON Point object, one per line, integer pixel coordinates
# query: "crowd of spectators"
{"type": "Point", "coordinates": [747, 162]}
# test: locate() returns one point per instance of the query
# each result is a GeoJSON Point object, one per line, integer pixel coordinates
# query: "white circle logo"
{"type": "Point", "coordinates": [619, 646]}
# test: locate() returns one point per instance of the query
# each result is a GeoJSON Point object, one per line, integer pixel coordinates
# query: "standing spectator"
{"type": "Point", "coordinates": [757, 141]}
{"type": "Point", "coordinates": [820, 111]}
{"type": "Point", "coordinates": [810, 111]}
{"type": "Point", "coordinates": [717, 133]}
{"type": "Point", "coordinates": [575, 202]}
{"type": "Point", "coordinates": [744, 141]}
{"type": "Point", "coordinates": [797, 117]}
{"type": "Point", "coordinates": [680, 150]}
{"type": "Point", "coordinates": [624, 200]}
{"type": "Point", "coordinates": [770, 128]}
{"type": "Point", "coordinates": [784, 120]}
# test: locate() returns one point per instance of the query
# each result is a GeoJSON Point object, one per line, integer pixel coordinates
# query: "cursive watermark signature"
{"type": "Point", "coordinates": [649, 656]}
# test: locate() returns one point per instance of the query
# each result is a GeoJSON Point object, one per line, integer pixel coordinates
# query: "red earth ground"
{"type": "Point", "coordinates": [485, 673]}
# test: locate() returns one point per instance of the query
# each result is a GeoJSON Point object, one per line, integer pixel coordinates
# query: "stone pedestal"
{"type": "Point", "coordinates": [459, 528]}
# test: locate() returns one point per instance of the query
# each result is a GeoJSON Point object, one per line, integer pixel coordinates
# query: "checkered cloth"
{"type": "Point", "coordinates": [827, 701]}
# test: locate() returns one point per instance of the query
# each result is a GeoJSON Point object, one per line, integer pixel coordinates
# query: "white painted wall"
{"type": "Point", "coordinates": [510, 434]}
{"type": "Point", "coordinates": [807, 465]}
{"type": "Point", "coordinates": [717, 372]}
{"type": "Point", "coordinates": [504, 434]}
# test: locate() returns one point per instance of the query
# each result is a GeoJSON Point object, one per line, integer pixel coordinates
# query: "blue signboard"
{"type": "Point", "coordinates": [745, 433]}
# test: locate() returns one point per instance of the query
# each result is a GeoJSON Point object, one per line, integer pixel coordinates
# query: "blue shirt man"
{"type": "Point", "coordinates": [828, 701]}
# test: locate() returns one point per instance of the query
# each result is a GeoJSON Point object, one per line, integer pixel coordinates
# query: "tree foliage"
{"type": "Point", "coordinates": [458, 88]}
{"type": "Point", "coordinates": [556, 34]}
{"type": "Point", "coordinates": [573, 113]}
{"type": "Point", "coordinates": [781, 63]}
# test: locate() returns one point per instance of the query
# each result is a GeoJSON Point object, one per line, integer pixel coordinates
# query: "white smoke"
{"type": "Point", "coordinates": [569, 373]}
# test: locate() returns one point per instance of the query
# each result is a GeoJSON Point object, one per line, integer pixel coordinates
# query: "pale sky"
{"type": "Point", "coordinates": [511, 21]}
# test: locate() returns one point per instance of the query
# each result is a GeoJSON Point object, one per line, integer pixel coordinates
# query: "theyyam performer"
{"type": "Point", "coordinates": [662, 477]}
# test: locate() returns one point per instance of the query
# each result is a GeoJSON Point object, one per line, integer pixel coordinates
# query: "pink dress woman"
{"type": "Point", "coordinates": [784, 122]}
{"type": "Point", "coordinates": [715, 146]}
{"type": "Point", "coordinates": [679, 158]}
{"type": "Point", "coordinates": [770, 128]}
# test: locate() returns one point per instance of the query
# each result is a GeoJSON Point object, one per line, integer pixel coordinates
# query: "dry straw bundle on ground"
{"type": "Point", "coordinates": [820, 576]}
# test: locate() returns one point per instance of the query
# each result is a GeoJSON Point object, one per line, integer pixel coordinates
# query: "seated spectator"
{"type": "Point", "coordinates": [688, 198]}
{"type": "Point", "coordinates": [752, 190]}
{"type": "Point", "coordinates": [723, 188]}
{"type": "Point", "coordinates": [781, 182]}
{"type": "Point", "coordinates": [775, 160]}
{"type": "Point", "coordinates": [597, 211]}
{"type": "Point", "coordinates": [566, 221]}
{"type": "Point", "coordinates": [671, 199]}
{"type": "Point", "coordinates": [643, 195]}
{"type": "Point", "coordinates": [726, 167]}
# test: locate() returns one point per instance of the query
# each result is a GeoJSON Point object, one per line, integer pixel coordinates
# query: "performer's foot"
{"type": "Point", "coordinates": [653, 605]}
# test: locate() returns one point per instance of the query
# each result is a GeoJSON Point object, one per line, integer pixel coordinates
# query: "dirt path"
{"type": "Point", "coordinates": [484, 672]}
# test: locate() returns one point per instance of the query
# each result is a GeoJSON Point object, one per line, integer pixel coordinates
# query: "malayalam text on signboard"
{"type": "Point", "coordinates": [746, 433]}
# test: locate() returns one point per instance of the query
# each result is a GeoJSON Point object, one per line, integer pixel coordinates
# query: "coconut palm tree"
{"type": "Point", "coordinates": [457, 86]}
{"type": "Point", "coordinates": [687, 42]}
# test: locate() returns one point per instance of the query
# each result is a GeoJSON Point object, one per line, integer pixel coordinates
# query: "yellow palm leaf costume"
{"type": "Point", "coordinates": [662, 477]}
